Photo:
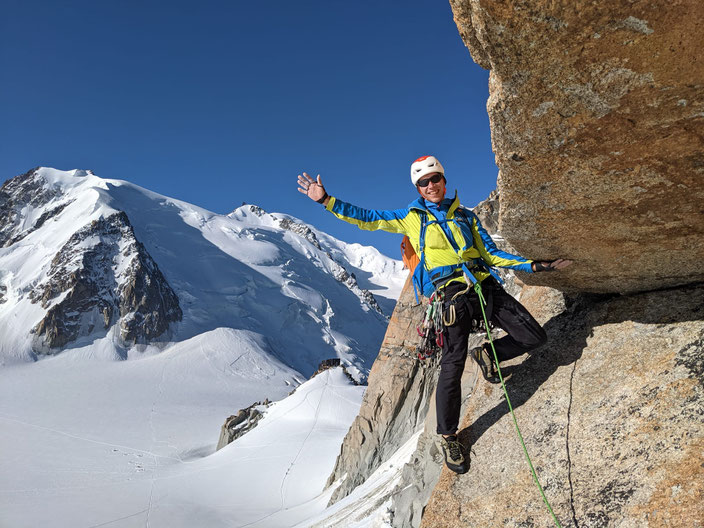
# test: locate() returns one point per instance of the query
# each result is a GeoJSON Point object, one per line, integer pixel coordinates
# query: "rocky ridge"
{"type": "Point", "coordinates": [102, 274]}
{"type": "Point", "coordinates": [338, 270]}
{"type": "Point", "coordinates": [18, 197]}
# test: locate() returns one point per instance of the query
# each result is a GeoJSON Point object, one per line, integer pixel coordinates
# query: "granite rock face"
{"type": "Point", "coordinates": [612, 412]}
{"type": "Point", "coordinates": [597, 112]}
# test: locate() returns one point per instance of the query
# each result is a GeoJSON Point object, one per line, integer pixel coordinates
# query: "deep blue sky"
{"type": "Point", "coordinates": [220, 102]}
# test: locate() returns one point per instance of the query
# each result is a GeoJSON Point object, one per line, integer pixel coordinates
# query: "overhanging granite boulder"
{"type": "Point", "coordinates": [597, 112]}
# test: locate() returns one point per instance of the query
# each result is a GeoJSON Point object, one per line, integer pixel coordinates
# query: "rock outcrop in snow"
{"type": "Point", "coordinates": [101, 274]}
{"type": "Point", "coordinates": [241, 423]}
{"type": "Point", "coordinates": [247, 419]}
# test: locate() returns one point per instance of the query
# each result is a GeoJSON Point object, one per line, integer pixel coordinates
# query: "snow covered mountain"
{"type": "Point", "coordinates": [110, 269]}
{"type": "Point", "coordinates": [132, 325]}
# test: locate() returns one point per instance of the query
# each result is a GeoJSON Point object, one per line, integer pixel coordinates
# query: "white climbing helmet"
{"type": "Point", "coordinates": [423, 166]}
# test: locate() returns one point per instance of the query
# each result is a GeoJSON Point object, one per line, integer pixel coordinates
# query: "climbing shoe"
{"type": "Point", "coordinates": [486, 364]}
{"type": "Point", "coordinates": [454, 458]}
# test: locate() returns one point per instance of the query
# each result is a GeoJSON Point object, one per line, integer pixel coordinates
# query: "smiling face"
{"type": "Point", "coordinates": [435, 191]}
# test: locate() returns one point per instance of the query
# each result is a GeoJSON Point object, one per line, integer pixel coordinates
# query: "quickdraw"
{"type": "Point", "coordinates": [431, 329]}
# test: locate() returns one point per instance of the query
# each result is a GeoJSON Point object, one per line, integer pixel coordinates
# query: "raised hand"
{"type": "Point", "coordinates": [312, 188]}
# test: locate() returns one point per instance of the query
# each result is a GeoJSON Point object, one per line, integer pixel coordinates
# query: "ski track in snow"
{"type": "Point", "coordinates": [293, 462]}
{"type": "Point", "coordinates": [70, 435]}
{"type": "Point", "coordinates": [160, 391]}
{"type": "Point", "coordinates": [341, 397]}
{"type": "Point", "coordinates": [118, 520]}
{"type": "Point", "coordinates": [300, 450]}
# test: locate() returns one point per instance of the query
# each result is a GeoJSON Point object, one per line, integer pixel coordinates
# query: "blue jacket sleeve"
{"type": "Point", "coordinates": [393, 221]}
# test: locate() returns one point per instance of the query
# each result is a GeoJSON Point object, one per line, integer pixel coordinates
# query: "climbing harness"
{"type": "Point", "coordinates": [431, 329]}
{"type": "Point", "coordinates": [428, 280]}
{"type": "Point", "coordinates": [482, 302]}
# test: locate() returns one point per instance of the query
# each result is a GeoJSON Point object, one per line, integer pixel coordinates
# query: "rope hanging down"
{"type": "Point", "coordinates": [482, 302]}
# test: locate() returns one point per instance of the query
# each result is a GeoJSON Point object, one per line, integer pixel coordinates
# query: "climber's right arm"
{"type": "Point", "coordinates": [393, 221]}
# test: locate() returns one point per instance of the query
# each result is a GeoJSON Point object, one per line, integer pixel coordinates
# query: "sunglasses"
{"type": "Point", "coordinates": [435, 178]}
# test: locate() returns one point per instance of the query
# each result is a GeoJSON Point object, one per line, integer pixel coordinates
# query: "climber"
{"type": "Point", "coordinates": [454, 251]}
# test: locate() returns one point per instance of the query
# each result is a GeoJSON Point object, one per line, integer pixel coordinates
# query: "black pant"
{"type": "Point", "coordinates": [524, 334]}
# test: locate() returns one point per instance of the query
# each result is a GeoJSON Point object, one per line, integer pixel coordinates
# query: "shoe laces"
{"type": "Point", "coordinates": [455, 448]}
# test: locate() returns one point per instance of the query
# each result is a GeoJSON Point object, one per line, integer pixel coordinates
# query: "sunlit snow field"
{"type": "Point", "coordinates": [133, 443]}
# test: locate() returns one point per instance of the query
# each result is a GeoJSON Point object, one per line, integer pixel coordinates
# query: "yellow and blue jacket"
{"type": "Point", "coordinates": [454, 237]}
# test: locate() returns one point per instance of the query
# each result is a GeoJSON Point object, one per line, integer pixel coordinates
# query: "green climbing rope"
{"type": "Point", "coordinates": [482, 302]}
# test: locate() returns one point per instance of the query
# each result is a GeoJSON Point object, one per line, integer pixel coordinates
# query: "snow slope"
{"type": "Point", "coordinates": [144, 457]}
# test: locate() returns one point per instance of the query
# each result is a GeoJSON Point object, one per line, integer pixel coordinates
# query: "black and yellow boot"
{"type": "Point", "coordinates": [454, 454]}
